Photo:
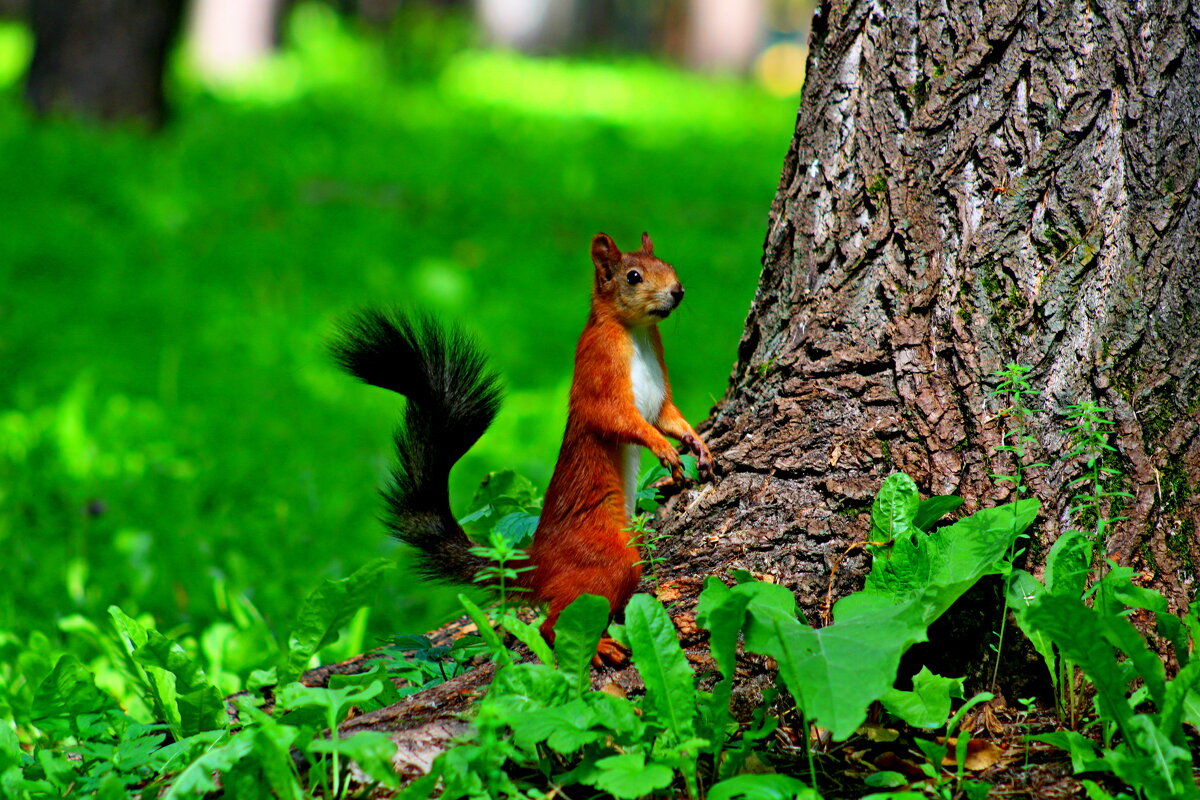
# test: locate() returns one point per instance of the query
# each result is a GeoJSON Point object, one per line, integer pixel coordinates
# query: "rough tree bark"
{"type": "Point", "coordinates": [1007, 182]}
{"type": "Point", "coordinates": [101, 59]}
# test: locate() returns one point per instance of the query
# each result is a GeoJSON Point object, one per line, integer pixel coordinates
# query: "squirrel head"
{"type": "Point", "coordinates": [638, 288]}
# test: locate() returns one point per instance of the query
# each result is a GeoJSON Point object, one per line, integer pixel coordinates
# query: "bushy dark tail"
{"type": "Point", "coordinates": [452, 398]}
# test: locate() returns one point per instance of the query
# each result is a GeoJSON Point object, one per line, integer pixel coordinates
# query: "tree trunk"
{"type": "Point", "coordinates": [1016, 182]}
{"type": "Point", "coordinates": [102, 59]}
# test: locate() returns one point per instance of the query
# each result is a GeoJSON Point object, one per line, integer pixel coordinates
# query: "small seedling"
{"type": "Point", "coordinates": [1013, 386]}
{"type": "Point", "coordinates": [1089, 433]}
{"type": "Point", "coordinates": [645, 537]}
{"type": "Point", "coordinates": [499, 573]}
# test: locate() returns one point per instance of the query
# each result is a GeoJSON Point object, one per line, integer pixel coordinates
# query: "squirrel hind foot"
{"type": "Point", "coordinates": [611, 654]}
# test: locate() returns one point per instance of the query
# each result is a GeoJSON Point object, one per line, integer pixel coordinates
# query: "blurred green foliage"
{"type": "Point", "coordinates": [173, 437]}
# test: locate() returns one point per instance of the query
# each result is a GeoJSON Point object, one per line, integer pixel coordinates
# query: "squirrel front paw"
{"type": "Point", "coordinates": [670, 459]}
{"type": "Point", "coordinates": [704, 459]}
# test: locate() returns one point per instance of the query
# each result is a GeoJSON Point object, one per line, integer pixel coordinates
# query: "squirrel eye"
{"type": "Point", "coordinates": [634, 277]}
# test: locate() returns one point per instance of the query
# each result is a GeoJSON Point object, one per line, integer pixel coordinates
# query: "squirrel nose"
{"type": "Point", "coordinates": [677, 293]}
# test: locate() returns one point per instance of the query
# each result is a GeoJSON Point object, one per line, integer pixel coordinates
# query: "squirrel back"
{"type": "Point", "coordinates": [452, 399]}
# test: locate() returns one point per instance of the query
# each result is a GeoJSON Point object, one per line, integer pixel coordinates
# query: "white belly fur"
{"type": "Point", "coordinates": [649, 392]}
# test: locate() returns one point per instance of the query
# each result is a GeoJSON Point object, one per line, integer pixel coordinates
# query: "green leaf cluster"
{"type": "Point", "coordinates": [837, 671]}
{"type": "Point", "coordinates": [544, 719]}
{"type": "Point", "coordinates": [72, 737]}
{"type": "Point", "coordinates": [1141, 711]}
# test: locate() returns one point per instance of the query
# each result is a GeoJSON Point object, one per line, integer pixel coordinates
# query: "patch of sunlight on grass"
{"type": "Point", "coordinates": [16, 46]}
{"type": "Point", "coordinates": [636, 95]}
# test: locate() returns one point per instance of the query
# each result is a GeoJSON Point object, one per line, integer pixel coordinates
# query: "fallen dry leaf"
{"type": "Point", "coordinates": [614, 689]}
{"type": "Point", "coordinates": [981, 754]}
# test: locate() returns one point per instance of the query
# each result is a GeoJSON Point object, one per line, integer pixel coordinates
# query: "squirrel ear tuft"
{"type": "Point", "coordinates": [647, 244]}
{"type": "Point", "coordinates": [605, 255]}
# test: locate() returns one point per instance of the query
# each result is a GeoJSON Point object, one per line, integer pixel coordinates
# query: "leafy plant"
{"type": "Point", "coordinates": [507, 505]}
{"type": "Point", "coordinates": [499, 574]}
{"type": "Point", "coordinates": [1093, 498]}
{"type": "Point", "coordinates": [645, 537]}
{"type": "Point", "coordinates": [256, 761]}
{"type": "Point", "coordinates": [322, 615]}
{"type": "Point", "coordinates": [80, 741]}
{"type": "Point", "coordinates": [1013, 387]}
{"type": "Point", "coordinates": [1069, 561]}
{"type": "Point", "coordinates": [417, 660]}
{"type": "Point", "coordinates": [545, 719]}
{"type": "Point", "coordinates": [836, 672]}
{"type": "Point", "coordinates": [1153, 754]}
{"type": "Point", "coordinates": [648, 495]}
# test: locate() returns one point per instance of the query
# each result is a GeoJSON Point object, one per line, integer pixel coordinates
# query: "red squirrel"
{"type": "Point", "coordinates": [620, 402]}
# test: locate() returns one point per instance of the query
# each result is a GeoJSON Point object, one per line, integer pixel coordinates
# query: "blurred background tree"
{"type": "Point", "coordinates": [105, 59]}
{"type": "Point", "coordinates": [101, 58]}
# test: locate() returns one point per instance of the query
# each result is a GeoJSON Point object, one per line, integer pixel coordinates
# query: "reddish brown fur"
{"type": "Point", "coordinates": [582, 544]}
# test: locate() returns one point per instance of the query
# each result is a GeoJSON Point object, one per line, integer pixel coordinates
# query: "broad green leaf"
{"type": "Point", "coordinates": [1158, 767]}
{"type": "Point", "coordinates": [1068, 564]}
{"type": "Point", "coordinates": [1080, 634]}
{"type": "Point", "coordinates": [629, 776]}
{"type": "Point", "coordinates": [272, 756]}
{"type": "Point", "coordinates": [940, 566]}
{"type": "Point", "coordinates": [505, 484]}
{"type": "Point", "coordinates": [157, 686]}
{"type": "Point", "coordinates": [378, 674]}
{"type": "Point", "coordinates": [1190, 706]}
{"type": "Point", "coordinates": [542, 685]}
{"type": "Point", "coordinates": [565, 729]}
{"type": "Point", "coordinates": [670, 688]}
{"type": "Point", "coordinates": [66, 693]}
{"type": "Point", "coordinates": [501, 493]}
{"type": "Point", "coordinates": [1022, 589]}
{"type": "Point", "coordinates": [325, 611]}
{"type": "Point", "coordinates": [486, 632]}
{"type": "Point", "coordinates": [517, 527]}
{"type": "Point", "coordinates": [762, 787]}
{"type": "Point", "coordinates": [618, 714]}
{"type": "Point", "coordinates": [928, 704]}
{"type": "Point", "coordinates": [931, 509]}
{"type": "Point", "coordinates": [196, 780]}
{"type": "Point", "coordinates": [530, 635]}
{"type": "Point", "coordinates": [371, 750]}
{"type": "Point", "coordinates": [576, 634]}
{"type": "Point", "coordinates": [895, 508]}
{"type": "Point", "coordinates": [722, 611]}
{"type": "Point", "coordinates": [201, 705]}
{"type": "Point", "coordinates": [886, 779]}
{"type": "Point", "coordinates": [10, 748]}
{"type": "Point", "coordinates": [838, 671]}
{"type": "Point", "coordinates": [1180, 700]}
{"type": "Point", "coordinates": [333, 701]}
{"type": "Point", "coordinates": [1169, 626]}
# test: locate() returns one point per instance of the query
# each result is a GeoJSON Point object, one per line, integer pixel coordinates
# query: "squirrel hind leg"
{"type": "Point", "coordinates": [617, 586]}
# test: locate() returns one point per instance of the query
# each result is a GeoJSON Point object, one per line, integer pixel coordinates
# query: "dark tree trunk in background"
{"type": "Point", "coordinates": [102, 59]}
{"type": "Point", "coordinates": [1014, 183]}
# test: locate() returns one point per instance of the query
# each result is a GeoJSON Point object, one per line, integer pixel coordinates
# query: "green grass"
{"type": "Point", "coordinates": [171, 430]}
